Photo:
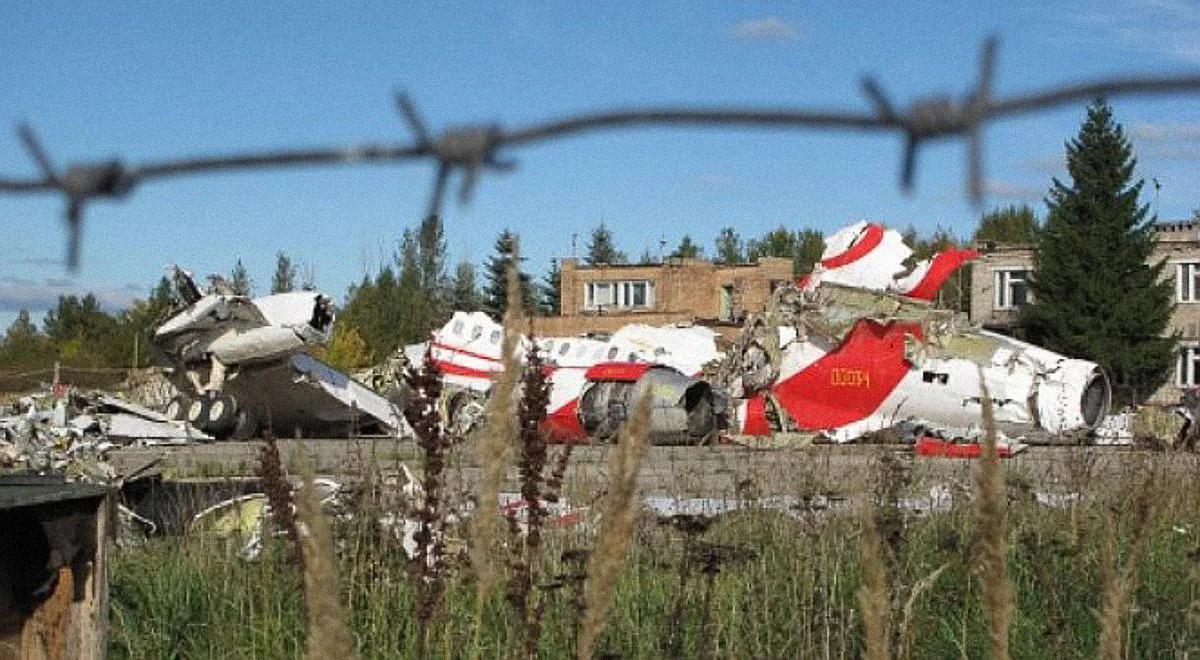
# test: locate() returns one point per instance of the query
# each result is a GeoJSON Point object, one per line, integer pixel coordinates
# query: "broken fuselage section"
{"type": "Point", "coordinates": [242, 364]}
{"type": "Point", "coordinates": [594, 382]}
{"type": "Point", "coordinates": [857, 347]}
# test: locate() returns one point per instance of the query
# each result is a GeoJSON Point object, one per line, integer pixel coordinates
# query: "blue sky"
{"type": "Point", "coordinates": [158, 80]}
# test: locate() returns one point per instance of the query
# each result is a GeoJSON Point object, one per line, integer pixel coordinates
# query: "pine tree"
{"type": "Point", "coordinates": [687, 248]}
{"type": "Point", "coordinates": [431, 253]}
{"type": "Point", "coordinates": [239, 280]}
{"type": "Point", "coordinates": [284, 279]}
{"type": "Point", "coordinates": [551, 302]}
{"type": "Point", "coordinates": [1011, 224]}
{"type": "Point", "coordinates": [1095, 295]}
{"type": "Point", "coordinates": [495, 293]}
{"type": "Point", "coordinates": [464, 291]}
{"type": "Point", "coordinates": [601, 249]}
{"type": "Point", "coordinates": [729, 247]}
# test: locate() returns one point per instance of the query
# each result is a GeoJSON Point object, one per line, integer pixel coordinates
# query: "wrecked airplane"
{"type": "Point", "coordinates": [857, 347]}
{"type": "Point", "coordinates": [594, 382]}
{"type": "Point", "coordinates": [853, 348]}
{"type": "Point", "coordinates": [242, 364]}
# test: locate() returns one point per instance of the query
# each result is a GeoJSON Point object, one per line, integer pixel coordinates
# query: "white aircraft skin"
{"type": "Point", "coordinates": [242, 364]}
{"type": "Point", "coordinates": [878, 373]}
{"type": "Point", "coordinates": [665, 361]}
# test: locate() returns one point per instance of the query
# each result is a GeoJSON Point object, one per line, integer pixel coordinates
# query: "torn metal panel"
{"type": "Point", "coordinates": [857, 348]}
{"type": "Point", "coordinates": [242, 364]}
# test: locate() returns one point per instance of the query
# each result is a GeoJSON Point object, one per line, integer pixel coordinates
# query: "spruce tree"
{"type": "Point", "coordinates": [1095, 294]}
{"type": "Point", "coordinates": [239, 279]}
{"type": "Point", "coordinates": [464, 294]}
{"type": "Point", "coordinates": [687, 248]}
{"type": "Point", "coordinates": [551, 302]}
{"type": "Point", "coordinates": [601, 249]}
{"type": "Point", "coordinates": [284, 279]}
{"type": "Point", "coordinates": [495, 293]}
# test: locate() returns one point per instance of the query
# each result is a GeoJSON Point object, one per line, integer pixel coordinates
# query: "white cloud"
{"type": "Point", "coordinates": [771, 28]}
{"type": "Point", "coordinates": [1168, 27]}
{"type": "Point", "coordinates": [1171, 131]}
{"type": "Point", "coordinates": [1001, 189]}
{"type": "Point", "coordinates": [18, 293]}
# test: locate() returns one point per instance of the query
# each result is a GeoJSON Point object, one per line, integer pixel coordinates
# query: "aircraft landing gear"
{"type": "Point", "coordinates": [220, 416]}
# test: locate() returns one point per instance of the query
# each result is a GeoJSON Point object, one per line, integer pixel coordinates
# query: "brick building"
{"type": "Point", "coordinates": [681, 290]}
{"type": "Point", "coordinates": [999, 287]}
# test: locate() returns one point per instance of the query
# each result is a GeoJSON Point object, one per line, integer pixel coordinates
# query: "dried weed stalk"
{"type": "Point", "coordinates": [425, 419]}
{"type": "Point", "coordinates": [1120, 582]}
{"type": "Point", "coordinates": [328, 631]}
{"type": "Point", "coordinates": [997, 592]}
{"type": "Point", "coordinates": [618, 514]}
{"type": "Point", "coordinates": [531, 412]}
{"type": "Point", "coordinates": [499, 434]}
{"type": "Point", "coordinates": [279, 494]}
{"type": "Point", "coordinates": [874, 596]}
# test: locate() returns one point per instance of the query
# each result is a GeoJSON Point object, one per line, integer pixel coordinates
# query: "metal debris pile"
{"type": "Point", "coordinates": [67, 432]}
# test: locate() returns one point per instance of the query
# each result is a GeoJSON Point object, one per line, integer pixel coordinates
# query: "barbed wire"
{"type": "Point", "coordinates": [475, 148]}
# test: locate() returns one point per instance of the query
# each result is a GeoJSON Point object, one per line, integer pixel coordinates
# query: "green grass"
{"type": "Point", "coordinates": [790, 595]}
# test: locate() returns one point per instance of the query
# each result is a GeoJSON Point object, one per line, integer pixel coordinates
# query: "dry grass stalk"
{"type": "Point", "coordinates": [492, 453]}
{"type": "Point", "coordinates": [618, 514]}
{"type": "Point", "coordinates": [997, 592]}
{"type": "Point", "coordinates": [328, 631]}
{"type": "Point", "coordinates": [873, 596]}
{"type": "Point", "coordinates": [1119, 583]}
{"type": "Point", "coordinates": [905, 632]}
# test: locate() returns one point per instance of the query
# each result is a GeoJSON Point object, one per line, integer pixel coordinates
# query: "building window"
{"type": "Point", "coordinates": [1012, 288]}
{"type": "Point", "coordinates": [1187, 370]}
{"type": "Point", "coordinates": [1187, 282]}
{"type": "Point", "coordinates": [623, 294]}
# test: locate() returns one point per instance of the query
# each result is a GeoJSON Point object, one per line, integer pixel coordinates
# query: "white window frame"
{"type": "Point", "coordinates": [1187, 288]}
{"type": "Point", "coordinates": [621, 294]}
{"type": "Point", "coordinates": [1002, 281]}
{"type": "Point", "coordinates": [1187, 371]}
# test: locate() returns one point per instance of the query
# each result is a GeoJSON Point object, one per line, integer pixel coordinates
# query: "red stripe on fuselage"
{"type": "Point", "coordinates": [452, 369]}
{"type": "Point", "coordinates": [756, 416]}
{"type": "Point", "coordinates": [463, 351]}
{"type": "Point", "coordinates": [563, 425]}
{"type": "Point", "coordinates": [849, 383]}
{"type": "Point", "coordinates": [871, 238]}
{"type": "Point", "coordinates": [940, 269]}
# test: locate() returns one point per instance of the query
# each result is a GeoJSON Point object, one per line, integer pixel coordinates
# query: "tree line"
{"type": "Point", "coordinates": [1095, 292]}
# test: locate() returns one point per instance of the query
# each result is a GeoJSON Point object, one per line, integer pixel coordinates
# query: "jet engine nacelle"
{"type": "Point", "coordinates": [684, 410]}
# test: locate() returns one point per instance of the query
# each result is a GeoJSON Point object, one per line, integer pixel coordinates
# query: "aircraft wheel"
{"type": "Point", "coordinates": [222, 415]}
{"type": "Point", "coordinates": [197, 413]}
{"type": "Point", "coordinates": [245, 424]}
{"type": "Point", "coordinates": [177, 407]}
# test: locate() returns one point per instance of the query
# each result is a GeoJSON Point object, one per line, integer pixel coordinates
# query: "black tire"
{"type": "Point", "coordinates": [222, 415]}
{"type": "Point", "coordinates": [177, 407]}
{"type": "Point", "coordinates": [197, 413]}
{"type": "Point", "coordinates": [245, 424]}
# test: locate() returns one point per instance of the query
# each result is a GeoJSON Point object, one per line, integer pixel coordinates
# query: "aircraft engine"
{"type": "Point", "coordinates": [684, 410]}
